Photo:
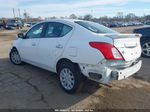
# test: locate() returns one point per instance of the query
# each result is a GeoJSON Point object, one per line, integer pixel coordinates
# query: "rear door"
{"type": "Point", "coordinates": [52, 44]}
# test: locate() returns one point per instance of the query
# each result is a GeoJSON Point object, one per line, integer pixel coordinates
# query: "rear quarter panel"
{"type": "Point", "coordinates": [78, 49]}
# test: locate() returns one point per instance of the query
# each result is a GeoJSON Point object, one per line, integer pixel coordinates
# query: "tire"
{"type": "Point", "coordinates": [15, 57]}
{"type": "Point", "coordinates": [69, 77]}
{"type": "Point", "coordinates": [145, 44]}
{"type": "Point", "coordinates": [18, 27]}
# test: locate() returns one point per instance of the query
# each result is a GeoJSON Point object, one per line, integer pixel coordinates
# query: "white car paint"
{"type": "Point", "coordinates": [46, 52]}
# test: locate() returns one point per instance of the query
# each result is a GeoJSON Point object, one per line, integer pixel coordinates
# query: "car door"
{"type": "Point", "coordinates": [28, 46]}
{"type": "Point", "coordinates": [53, 43]}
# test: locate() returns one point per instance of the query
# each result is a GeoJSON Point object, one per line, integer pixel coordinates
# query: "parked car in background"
{"type": "Point", "coordinates": [145, 40]}
{"type": "Point", "coordinates": [147, 23]}
{"type": "Point", "coordinates": [112, 24]}
{"type": "Point", "coordinates": [27, 25]}
{"type": "Point", "coordinates": [75, 49]}
{"type": "Point", "coordinates": [14, 24]}
{"type": "Point", "coordinates": [33, 23]}
{"type": "Point", "coordinates": [105, 24]}
{"type": "Point", "coordinates": [30, 24]}
{"type": "Point", "coordinates": [2, 24]}
{"type": "Point", "coordinates": [120, 23]}
{"type": "Point", "coordinates": [138, 23]}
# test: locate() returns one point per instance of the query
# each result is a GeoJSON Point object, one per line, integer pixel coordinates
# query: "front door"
{"type": "Point", "coordinates": [28, 46]}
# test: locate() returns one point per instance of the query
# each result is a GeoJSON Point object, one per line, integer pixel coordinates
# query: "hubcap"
{"type": "Point", "coordinates": [67, 79]}
{"type": "Point", "coordinates": [146, 49]}
{"type": "Point", "coordinates": [15, 57]}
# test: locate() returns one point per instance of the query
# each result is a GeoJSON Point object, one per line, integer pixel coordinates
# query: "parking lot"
{"type": "Point", "coordinates": [29, 87]}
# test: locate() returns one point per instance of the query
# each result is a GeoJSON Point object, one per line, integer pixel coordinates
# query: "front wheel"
{"type": "Point", "coordinates": [145, 48]}
{"type": "Point", "coordinates": [69, 77]}
{"type": "Point", "coordinates": [15, 57]}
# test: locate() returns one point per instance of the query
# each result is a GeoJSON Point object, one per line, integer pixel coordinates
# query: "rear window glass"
{"type": "Point", "coordinates": [95, 27]}
{"type": "Point", "coordinates": [65, 30]}
{"type": "Point", "coordinates": [55, 29]}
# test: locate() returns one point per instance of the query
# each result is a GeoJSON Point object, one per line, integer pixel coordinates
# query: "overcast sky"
{"type": "Point", "coordinates": [48, 8]}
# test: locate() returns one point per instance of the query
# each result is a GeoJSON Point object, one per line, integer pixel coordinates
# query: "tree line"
{"type": "Point", "coordinates": [119, 17]}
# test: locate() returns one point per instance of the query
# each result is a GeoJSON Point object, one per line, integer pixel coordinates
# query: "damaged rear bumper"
{"type": "Point", "coordinates": [107, 71]}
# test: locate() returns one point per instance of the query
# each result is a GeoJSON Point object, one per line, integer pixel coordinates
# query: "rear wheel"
{"type": "Point", "coordinates": [145, 48]}
{"type": "Point", "coordinates": [15, 57]}
{"type": "Point", "coordinates": [69, 77]}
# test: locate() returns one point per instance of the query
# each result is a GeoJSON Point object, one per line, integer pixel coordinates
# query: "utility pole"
{"type": "Point", "coordinates": [25, 15]}
{"type": "Point", "coordinates": [19, 13]}
{"type": "Point", "coordinates": [14, 12]}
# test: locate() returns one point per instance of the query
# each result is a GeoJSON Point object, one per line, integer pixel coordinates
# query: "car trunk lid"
{"type": "Point", "coordinates": [128, 45]}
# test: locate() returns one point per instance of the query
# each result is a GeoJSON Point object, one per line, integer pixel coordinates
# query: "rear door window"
{"type": "Point", "coordinates": [55, 29]}
{"type": "Point", "coordinates": [66, 29]}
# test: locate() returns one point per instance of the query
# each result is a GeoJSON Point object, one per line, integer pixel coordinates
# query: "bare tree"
{"type": "Point", "coordinates": [88, 17]}
{"type": "Point", "coordinates": [120, 15]}
{"type": "Point", "coordinates": [26, 16]}
{"type": "Point", "coordinates": [131, 17]}
{"type": "Point", "coordinates": [73, 16]}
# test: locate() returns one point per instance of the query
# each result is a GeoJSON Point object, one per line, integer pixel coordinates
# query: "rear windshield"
{"type": "Point", "coordinates": [95, 27]}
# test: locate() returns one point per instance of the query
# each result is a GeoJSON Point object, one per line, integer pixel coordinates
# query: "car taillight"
{"type": "Point", "coordinates": [108, 50]}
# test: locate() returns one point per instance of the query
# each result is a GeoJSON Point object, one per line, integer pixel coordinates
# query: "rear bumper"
{"type": "Point", "coordinates": [129, 71]}
{"type": "Point", "coordinates": [103, 73]}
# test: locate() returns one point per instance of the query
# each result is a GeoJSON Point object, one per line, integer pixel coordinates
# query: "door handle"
{"type": "Point", "coordinates": [33, 44]}
{"type": "Point", "coordinates": [59, 46]}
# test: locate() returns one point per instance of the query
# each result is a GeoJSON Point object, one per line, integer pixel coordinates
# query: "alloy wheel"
{"type": "Point", "coordinates": [15, 57]}
{"type": "Point", "coordinates": [67, 78]}
{"type": "Point", "coordinates": [146, 49]}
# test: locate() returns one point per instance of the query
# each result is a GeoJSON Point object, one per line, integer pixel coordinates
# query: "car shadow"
{"type": "Point", "coordinates": [143, 73]}
{"type": "Point", "coordinates": [39, 88]}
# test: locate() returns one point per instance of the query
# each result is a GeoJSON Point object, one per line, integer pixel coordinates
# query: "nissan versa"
{"type": "Point", "coordinates": [75, 49]}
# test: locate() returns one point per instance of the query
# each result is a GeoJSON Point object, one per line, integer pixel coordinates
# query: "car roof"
{"type": "Point", "coordinates": [70, 21]}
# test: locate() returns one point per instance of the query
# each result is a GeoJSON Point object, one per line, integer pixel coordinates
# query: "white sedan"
{"type": "Point", "coordinates": [75, 49]}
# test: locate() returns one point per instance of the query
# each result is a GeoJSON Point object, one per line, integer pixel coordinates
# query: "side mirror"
{"type": "Point", "coordinates": [20, 35]}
